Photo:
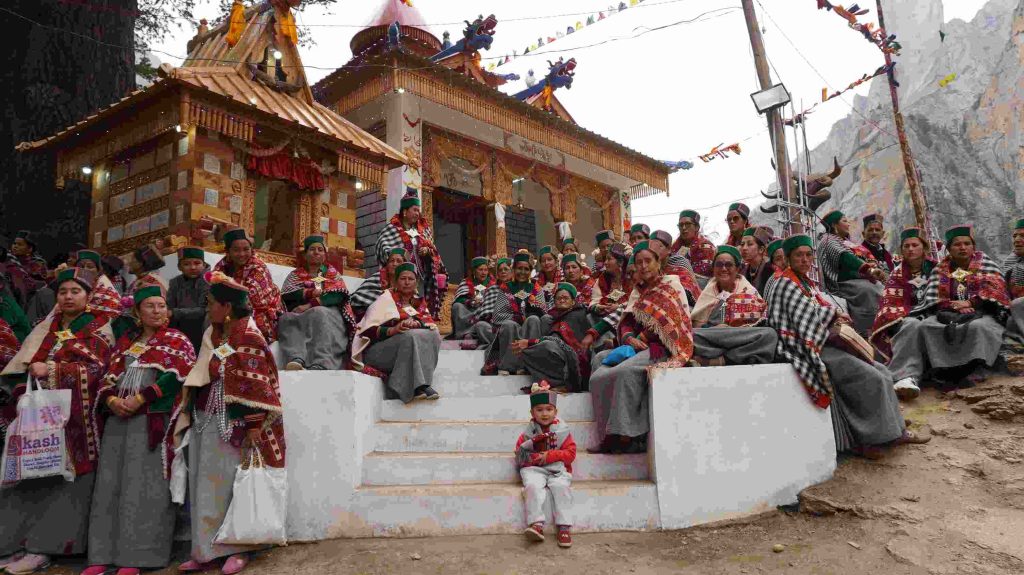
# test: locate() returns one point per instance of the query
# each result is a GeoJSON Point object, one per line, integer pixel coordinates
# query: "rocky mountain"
{"type": "Point", "coordinates": [966, 137]}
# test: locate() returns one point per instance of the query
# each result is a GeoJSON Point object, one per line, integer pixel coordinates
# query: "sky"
{"type": "Point", "coordinates": [649, 79]}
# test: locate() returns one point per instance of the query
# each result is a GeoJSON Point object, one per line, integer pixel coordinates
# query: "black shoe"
{"type": "Point", "coordinates": [432, 394]}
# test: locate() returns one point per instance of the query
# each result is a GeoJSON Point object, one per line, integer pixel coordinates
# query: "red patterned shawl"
{"type": "Point", "coordinates": [687, 280]}
{"type": "Point", "coordinates": [701, 254]}
{"type": "Point", "coordinates": [300, 279]}
{"type": "Point", "coordinates": [104, 299]}
{"type": "Point", "coordinates": [8, 343]}
{"type": "Point", "coordinates": [662, 309]}
{"type": "Point", "coordinates": [264, 296]}
{"type": "Point", "coordinates": [984, 284]}
{"type": "Point", "coordinates": [898, 300]}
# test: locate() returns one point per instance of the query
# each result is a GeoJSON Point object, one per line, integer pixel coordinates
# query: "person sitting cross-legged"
{"type": "Point", "coordinates": [515, 310]}
{"type": "Point", "coordinates": [728, 318]}
{"type": "Point", "coordinates": [559, 356]}
{"type": "Point", "coordinates": [469, 298]}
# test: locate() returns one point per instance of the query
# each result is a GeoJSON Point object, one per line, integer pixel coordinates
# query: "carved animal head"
{"type": "Point", "coordinates": [479, 34]}
{"type": "Point", "coordinates": [560, 74]}
{"type": "Point", "coordinates": [816, 185]}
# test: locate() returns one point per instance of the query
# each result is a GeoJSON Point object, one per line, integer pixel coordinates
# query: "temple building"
{"type": "Point", "coordinates": [233, 137]}
{"type": "Point", "coordinates": [475, 153]}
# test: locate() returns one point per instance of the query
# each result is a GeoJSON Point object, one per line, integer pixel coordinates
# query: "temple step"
{"type": "Point", "coordinates": [452, 385]}
{"type": "Point", "coordinates": [572, 407]}
{"type": "Point", "coordinates": [475, 508]}
{"type": "Point", "coordinates": [468, 436]}
{"type": "Point", "coordinates": [404, 468]}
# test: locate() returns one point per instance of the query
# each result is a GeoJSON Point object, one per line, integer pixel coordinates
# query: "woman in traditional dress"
{"type": "Point", "coordinates": [516, 309]}
{"type": "Point", "coordinates": [757, 267]}
{"type": "Point", "coordinates": [469, 299]}
{"type": "Point", "coordinates": [502, 271]}
{"type": "Point", "coordinates": [50, 516]}
{"type": "Point", "coordinates": [865, 412]}
{"type": "Point", "coordinates": [314, 331]}
{"type": "Point", "coordinates": [676, 265]}
{"type": "Point", "coordinates": [656, 324]}
{"type": "Point", "coordinates": [399, 337]}
{"type": "Point", "coordinates": [1013, 270]}
{"type": "Point", "coordinates": [143, 264]}
{"type": "Point", "coordinates": [848, 275]}
{"type": "Point", "coordinates": [572, 273]}
{"type": "Point", "coordinates": [230, 405]}
{"type": "Point", "coordinates": [609, 295]}
{"type": "Point", "coordinates": [131, 525]}
{"type": "Point", "coordinates": [777, 256]}
{"type": "Point", "coordinates": [373, 286]}
{"type": "Point", "coordinates": [104, 299]}
{"type": "Point", "coordinates": [692, 245]}
{"type": "Point", "coordinates": [243, 265]}
{"type": "Point", "coordinates": [964, 308]}
{"type": "Point", "coordinates": [894, 328]}
{"type": "Point", "coordinates": [559, 356]}
{"type": "Point", "coordinates": [569, 247]}
{"type": "Point", "coordinates": [728, 317]}
{"type": "Point", "coordinates": [639, 233]}
{"type": "Point", "coordinates": [408, 229]}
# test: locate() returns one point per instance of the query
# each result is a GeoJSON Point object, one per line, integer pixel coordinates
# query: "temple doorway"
{"type": "Point", "coordinates": [274, 216]}
{"type": "Point", "coordinates": [460, 231]}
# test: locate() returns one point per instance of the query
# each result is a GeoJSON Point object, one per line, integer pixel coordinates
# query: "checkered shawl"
{"type": "Point", "coordinates": [830, 249]}
{"type": "Point", "coordinates": [264, 296]}
{"type": "Point", "coordinates": [299, 279]}
{"type": "Point", "coordinates": [394, 236]}
{"type": "Point", "coordinates": [500, 304]}
{"type": "Point", "coordinates": [468, 289]}
{"type": "Point", "coordinates": [801, 317]}
{"type": "Point", "coordinates": [898, 299]}
{"type": "Point", "coordinates": [701, 254]}
{"type": "Point", "coordinates": [369, 291]}
{"type": "Point", "coordinates": [984, 284]}
{"type": "Point", "coordinates": [678, 261]}
{"type": "Point", "coordinates": [1013, 267]}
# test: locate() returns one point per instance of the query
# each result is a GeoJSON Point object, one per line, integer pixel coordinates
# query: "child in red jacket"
{"type": "Point", "coordinates": [544, 453]}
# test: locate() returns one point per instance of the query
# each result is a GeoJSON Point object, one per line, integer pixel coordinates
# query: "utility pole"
{"type": "Point", "coordinates": [916, 193]}
{"type": "Point", "coordinates": [775, 126]}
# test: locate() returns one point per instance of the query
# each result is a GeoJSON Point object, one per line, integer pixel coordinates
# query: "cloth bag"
{"type": "Point", "coordinates": [36, 445]}
{"type": "Point", "coordinates": [259, 505]}
{"type": "Point", "coordinates": [619, 355]}
{"type": "Point", "coordinates": [179, 471]}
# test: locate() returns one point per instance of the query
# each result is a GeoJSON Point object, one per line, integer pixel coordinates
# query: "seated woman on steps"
{"type": "Point", "coordinates": [728, 317]}
{"type": "Point", "coordinates": [549, 274]}
{"type": "Point", "coordinates": [516, 309]}
{"type": "Point", "coordinates": [656, 325]}
{"type": "Point", "coordinates": [399, 337]}
{"type": "Point", "coordinates": [572, 273]}
{"type": "Point", "coordinates": [469, 299]}
{"type": "Point", "coordinates": [314, 331]}
{"type": "Point", "coordinates": [373, 286]}
{"type": "Point", "coordinates": [559, 356]}
{"type": "Point", "coordinates": [610, 292]}
{"type": "Point", "coordinates": [865, 412]}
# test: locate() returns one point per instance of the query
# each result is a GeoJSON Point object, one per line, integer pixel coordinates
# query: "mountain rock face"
{"type": "Point", "coordinates": [966, 137]}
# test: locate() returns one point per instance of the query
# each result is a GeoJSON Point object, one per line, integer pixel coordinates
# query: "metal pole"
{"type": "Point", "coordinates": [916, 193]}
{"type": "Point", "coordinates": [774, 116]}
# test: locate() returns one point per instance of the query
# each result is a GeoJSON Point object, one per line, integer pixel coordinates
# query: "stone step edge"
{"type": "Point", "coordinates": [479, 454]}
{"type": "Point", "coordinates": [511, 487]}
{"type": "Point", "coordinates": [472, 422]}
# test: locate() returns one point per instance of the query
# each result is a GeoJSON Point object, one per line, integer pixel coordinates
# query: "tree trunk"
{"type": "Point", "coordinates": [52, 78]}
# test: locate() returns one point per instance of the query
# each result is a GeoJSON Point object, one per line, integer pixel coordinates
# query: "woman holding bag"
{"type": "Point", "coordinates": [50, 515]}
{"type": "Point", "coordinates": [132, 520]}
{"type": "Point", "coordinates": [230, 405]}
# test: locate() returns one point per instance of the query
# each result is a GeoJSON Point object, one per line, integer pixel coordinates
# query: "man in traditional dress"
{"type": "Point", "coordinates": [874, 238]}
{"type": "Point", "coordinates": [728, 318]}
{"type": "Point", "coordinates": [757, 267]}
{"type": "Point", "coordinates": [848, 276]}
{"type": "Point", "coordinates": [738, 220]}
{"type": "Point", "coordinates": [469, 297]}
{"type": "Point", "coordinates": [865, 411]}
{"type": "Point", "coordinates": [373, 286]}
{"type": "Point", "coordinates": [408, 229]}
{"type": "Point", "coordinates": [1013, 268]}
{"type": "Point", "coordinates": [694, 246]}
{"type": "Point", "coordinates": [27, 270]}
{"type": "Point", "coordinates": [639, 233]}
{"type": "Point", "coordinates": [186, 295]}
{"type": "Point", "coordinates": [965, 306]}
{"type": "Point", "coordinates": [245, 267]}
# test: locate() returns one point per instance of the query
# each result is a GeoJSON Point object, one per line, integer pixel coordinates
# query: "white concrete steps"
{"type": "Point", "coordinates": [405, 468]}
{"type": "Point", "coordinates": [477, 508]}
{"type": "Point", "coordinates": [456, 385]}
{"type": "Point", "coordinates": [471, 436]}
{"type": "Point", "coordinates": [571, 407]}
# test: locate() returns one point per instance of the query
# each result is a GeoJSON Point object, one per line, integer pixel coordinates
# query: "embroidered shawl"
{"type": "Point", "coordinates": [394, 235]}
{"type": "Point", "coordinates": [880, 254]}
{"type": "Point", "coordinates": [8, 343]}
{"type": "Point", "coordinates": [662, 308]}
{"type": "Point", "coordinates": [701, 254]}
{"type": "Point", "coordinates": [801, 316]}
{"type": "Point", "coordinates": [264, 296]}
{"type": "Point", "coordinates": [77, 364]}
{"type": "Point", "coordinates": [744, 307]}
{"type": "Point", "coordinates": [898, 299]}
{"type": "Point", "coordinates": [584, 290]}
{"type": "Point", "coordinates": [602, 289]}
{"type": "Point", "coordinates": [501, 303]}
{"type": "Point", "coordinates": [384, 310]}
{"type": "Point", "coordinates": [104, 301]}
{"type": "Point", "coordinates": [1013, 267]}
{"type": "Point", "coordinates": [250, 380]}
{"type": "Point", "coordinates": [299, 279]}
{"type": "Point", "coordinates": [468, 289]}
{"type": "Point", "coordinates": [686, 279]}
{"type": "Point", "coordinates": [984, 284]}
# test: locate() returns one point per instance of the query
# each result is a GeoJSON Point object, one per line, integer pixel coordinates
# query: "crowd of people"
{"type": "Point", "coordinates": [163, 373]}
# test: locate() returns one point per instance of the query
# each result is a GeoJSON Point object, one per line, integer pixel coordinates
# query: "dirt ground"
{"type": "Point", "coordinates": [952, 506]}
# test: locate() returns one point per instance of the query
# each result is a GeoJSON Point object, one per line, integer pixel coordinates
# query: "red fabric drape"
{"type": "Point", "coordinates": [302, 173]}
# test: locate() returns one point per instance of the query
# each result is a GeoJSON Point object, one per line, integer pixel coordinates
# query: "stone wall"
{"type": "Point", "coordinates": [371, 217]}
{"type": "Point", "coordinates": [520, 230]}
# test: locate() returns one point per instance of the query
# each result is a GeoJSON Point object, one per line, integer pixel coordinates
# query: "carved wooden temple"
{"type": "Point", "coordinates": [232, 137]}
{"type": "Point", "coordinates": [470, 147]}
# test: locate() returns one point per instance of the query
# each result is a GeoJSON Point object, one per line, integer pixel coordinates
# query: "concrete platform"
{"type": "Point", "coordinates": [466, 436]}
{"type": "Point", "coordinates": [572, 407]}
{"type": "Point", "coordinates": [403, 468]}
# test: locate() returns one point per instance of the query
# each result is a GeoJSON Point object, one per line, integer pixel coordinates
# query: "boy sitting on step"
{"type": "Point", "coordinates": [544, 454]}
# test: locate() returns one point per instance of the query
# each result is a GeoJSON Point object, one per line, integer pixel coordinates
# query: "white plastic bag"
{"type": "Point", "coordinates": [179, 471]}
{"type": "Point", "coordinates": [36, 445]}
{"type": "Point", "coordinates": [259, 505]}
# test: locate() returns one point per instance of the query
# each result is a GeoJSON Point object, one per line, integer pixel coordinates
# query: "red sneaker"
{"type": "Point", "coordinates": [535, 532]}
{"type": "Point", "coordinates": [564, 536]}
{"type": "Point", "coordinates": [94, 570]}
